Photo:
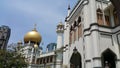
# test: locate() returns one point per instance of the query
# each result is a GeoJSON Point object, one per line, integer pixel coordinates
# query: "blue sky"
{"type": "Point", "coordinates": [21, 15]}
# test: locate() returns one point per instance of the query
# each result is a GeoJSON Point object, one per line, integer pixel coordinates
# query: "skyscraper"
{"type": "Point", "coordinates": [4, 36]}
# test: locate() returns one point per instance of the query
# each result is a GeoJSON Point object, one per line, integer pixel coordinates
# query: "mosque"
{"type": "Point", "coordinates": [31, 50]}
{"type": "Point", "coordinates": [89, 38]}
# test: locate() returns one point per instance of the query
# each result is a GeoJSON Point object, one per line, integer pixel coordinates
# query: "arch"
{"type": "Point", "coordinates": [99, 10]}
{"type": "Point", "coordinates": [108, 58]}
{"type": "Point", "coordinates": [116, 4]}
{"type": "Point", "coordinates": [71, 28]}
{"type": "Point", "coordinates": [75, 60]}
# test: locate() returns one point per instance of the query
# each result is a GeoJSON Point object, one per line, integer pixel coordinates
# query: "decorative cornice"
{"type": "Point", "coordinates": [96, 24]}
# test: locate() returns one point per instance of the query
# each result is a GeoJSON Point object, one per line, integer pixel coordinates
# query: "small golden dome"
{"type": "Point", "coordinates": [33, 36]}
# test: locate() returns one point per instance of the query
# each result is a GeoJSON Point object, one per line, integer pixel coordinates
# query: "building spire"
{"type": "Point", "coordinates": [68, 10]}
{"type": "Point", "coordinates": [35, 26]}
{"type": "Point", "coordinates": [69, 7]}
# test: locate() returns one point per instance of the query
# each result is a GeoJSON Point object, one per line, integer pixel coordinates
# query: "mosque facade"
{"type": "Point", "coordinates": [92, 35]}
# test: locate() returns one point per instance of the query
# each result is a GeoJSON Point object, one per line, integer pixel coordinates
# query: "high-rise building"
{"type": "Point", "coordinates": [4, 36]}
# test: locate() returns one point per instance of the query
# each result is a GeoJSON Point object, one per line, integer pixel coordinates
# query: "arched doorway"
{"type": "Point", "coordinates": [108, 59]}
{"type": "Point", "coordinates": [75, 60]}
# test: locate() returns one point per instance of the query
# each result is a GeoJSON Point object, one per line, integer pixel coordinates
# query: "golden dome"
{"type": "Point", "coordinates": [33, 36]}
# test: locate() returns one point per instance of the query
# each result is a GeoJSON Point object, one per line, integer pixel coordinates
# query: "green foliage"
{"type": "Point", "coordinates": [9, 59]}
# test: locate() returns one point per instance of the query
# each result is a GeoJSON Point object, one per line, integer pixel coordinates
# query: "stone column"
{"type": "Point", "coordinates": [93, 15]}
{"type": "Point", "coordinates": [87, 43]}
{"type": "Point", "coordinates": [94, 35]}
{"type": "Point", "coordinates": [88, 54]}
{"type": "Point", "coordinates": [112, 17]}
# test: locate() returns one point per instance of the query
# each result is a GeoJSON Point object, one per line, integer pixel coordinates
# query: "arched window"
{"type": "Point", "coordinates": [71, 34]}
{"type": "Point", "coordinates": [70, 38]}
{"type": "Point", "coordinates": [100, 17]}
{"type": "Point", "coordinates": [79, 19]}
{"type": "Point", "coordinates": [75, 35]}
{"type": "Point", "coordinates": [79, 31]}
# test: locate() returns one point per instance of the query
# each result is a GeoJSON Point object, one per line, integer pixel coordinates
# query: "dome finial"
{"type": "Point", "coordinates": [35, 26]}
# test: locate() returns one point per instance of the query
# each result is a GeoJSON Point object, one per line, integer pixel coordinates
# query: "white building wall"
{"type": "Point", "coordinates": [59, 40]}
{"type": "Point", "coordinates": [66, 42]}
{"type": "Point", "coordinates": [96, 38]}
{"type": "Point", "coordinates": [105, 42]}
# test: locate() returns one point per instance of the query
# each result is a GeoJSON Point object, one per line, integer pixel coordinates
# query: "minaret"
{"type": "Point", "coordinates": [59, 51]}
{"type": "Point", "coordinates": [60, 31]}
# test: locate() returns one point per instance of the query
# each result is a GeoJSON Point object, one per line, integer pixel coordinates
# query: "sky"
{"type": "Point", "coordinates": [21, 15]}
